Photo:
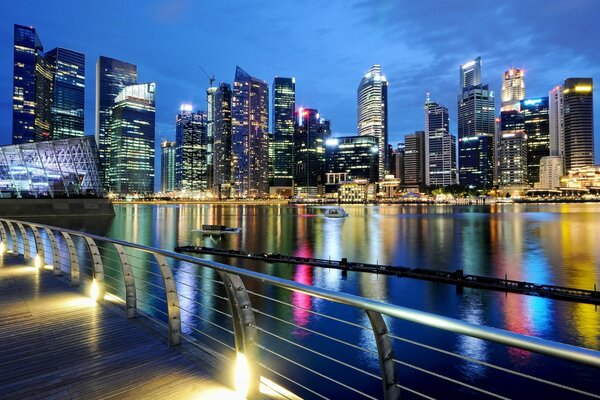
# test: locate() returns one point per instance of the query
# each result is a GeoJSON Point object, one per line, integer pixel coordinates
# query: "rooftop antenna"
{"type": "Point", "coordinates": [211, 79]}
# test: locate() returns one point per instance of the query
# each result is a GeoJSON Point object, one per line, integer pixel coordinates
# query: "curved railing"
{"type": "Point", "coordinates": [149, 280]}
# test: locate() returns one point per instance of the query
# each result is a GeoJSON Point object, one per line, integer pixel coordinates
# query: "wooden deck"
{"type": "Point", "coordinates": [56, 343]}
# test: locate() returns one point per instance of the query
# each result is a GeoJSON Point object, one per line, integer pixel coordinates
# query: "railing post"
{"type": "Point", "coordinates": [74, 260]}
{"type": "Point", "coordinates": [14, 246]}
{"type": "Point", "coordinates": [129, 280]}
{"type": "Point", "coordinates": [244, 326]}
{"type": "Point", "coordinates": [4, 239]}
{"type": "Point", "coordinates": [55, 253]}
{"type": "Point", "coordinates": [39, 245]}
{"type": "Point", "coordinates": [386, 356]}
{"type": "Point", "coordinates": [25, 238]}
{"type": "Point", "coordinates": [173, 309]}
{"type": "Point", "coordinates": [97, 267]}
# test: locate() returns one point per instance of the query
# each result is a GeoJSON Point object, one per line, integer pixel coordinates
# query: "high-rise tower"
{"type": "Point", "coordinates": [440, 146]}
{"type": "Point", "coordinates": [167, 166]}
{"type": "Point", "coordinates": [513, 89]}
{"type": "Point", "coordinates": [309, 152]}
{"type": "Point", "coordinates": [373, 112]}
{"type": "Point", "coordinates": [281, 146]}
{"type": "Point", "coordinates": [222, 142]}
{"type": "Point", "coordinates": [191, 150]}
{"type": "Point", "coordinates": [578, 122]}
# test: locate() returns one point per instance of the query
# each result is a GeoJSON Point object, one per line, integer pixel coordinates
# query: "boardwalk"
{"type": "Point", "coordinates": [58, 344]}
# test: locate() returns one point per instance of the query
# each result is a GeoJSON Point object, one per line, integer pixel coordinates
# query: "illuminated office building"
{"type": "Point", "coordinates": [556, 122]}
{"type": "Point", "coordinates": [167, 166]}
{"type": "Point", "coordinates": [222, 141]}
{"type": "Point", "coordinates": [309, 152]}
{"type": "Point", "coordinates": [191, 150]}
{"type": "Point", "coordinates": [210, 133]}
{"type": "Point", "coordinates": [537, 130]}
{"type": "Point", "coordinates": [476, 128]}
{"type": "Point", "coordinates": [578, 122]}
{"type": "Point", "coordinates": [111, 77]}
{"type": "Point", "coordinates": [373, 112]}
{"type": "Point", "coordinates": [414, 160]}
{"type": "Point", "coordinates": [440, 147]}
{"type": "Point", "coordinates": [132, 140]}
{"type": "Point", "coordinates": [250, 135]}
{"type": "Point", "coordinates": [513, 89]}
{"type": "Point", "coordinates": [349, 158]}
{"type": "Point", "coordinates": [281, 145]}
{"type": "Point", "coordinates": [512, 150]}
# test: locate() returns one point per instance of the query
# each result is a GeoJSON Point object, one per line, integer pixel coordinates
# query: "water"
{"type": "Point", "coordinates": [551, 243]}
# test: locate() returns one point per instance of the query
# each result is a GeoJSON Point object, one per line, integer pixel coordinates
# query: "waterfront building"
{"type": "Point", "coordinates": [551, 170]}
{"type": "Point", "coordinates": [556, 122]}
{"type": "Point", "coordinates": [399, 162]}
{"type": "Point", "coordinates": [309, 152]}
{"type": "Point", "coordinates": [537, 131]}
{"type": "Point", "coordinates": [281, 145]}
{"type": "Point", "coordinates": [513, 89]}
{"type": "Point", "coordinates": [167, 166]}
{"type": "Point", "coordinates": [132, 140]}
{"type": "Point", "coordinates": [250, 135]}
{"type": "Point", "coordinates": [191, 150]}
{"type": "Point", "coordinates": [512, 150]}
{"type": "Point", "coordinates": [54, 168]}
{"type": "Point", "coordinates": [440, 146]}
{"type": "Point", "coordinates": [222, 141]}
{"type": "Point", "coordinates": [48, 91]}
{"type": "Point", "coordinates": [111, 77]}
{"type": "Point", "coordinates": [349, 158]}
{"type": "Point", "coordinates": [356, 191]}
{"type": "Point", "coordinates": [476, 128]}
{"type": "Point", "coordinates": [582, 178]}
{"type": "Point", "coordinates": [578, 122]}
{"type": "Point", "coordinates": [414, 160]}
{"type": "Point", "coordinates": [27, 45]}
{"type": "Point", "coordinates": [373, 112]}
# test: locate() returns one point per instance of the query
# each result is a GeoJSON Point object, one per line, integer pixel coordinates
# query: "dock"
{"type": "Point", "coordinates": [458, 277]}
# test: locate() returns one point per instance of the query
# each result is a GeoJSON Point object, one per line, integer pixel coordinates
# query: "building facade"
{"type": "Point", "coordinates": [440, 147]}
{"type": "Point", "coordinates": [373, 112]}
{"type": "Point", "coordinates": [578, 120]}
{"type": "Point", "coordinates": [250, 135]}
{"type": "Point", "coordinates": [308, 152]}
{"type": "Point", "coordinates": [191, 150]}
{"type": "Point", "coordinates": [281, 145]}
{"type": "Point", "coordinates": [222, 142]}
{"type": "Point", "coordinates": [512, 150]}
{"type": "Point", "coordinates": [556, 122]}
{"type": "Point", "coordinates": [132, 137]}
{"type": "Point", "coordinates": [535, 114]}
{"type": "Point", "coordinates": [513, 89]}
{"type": "Point", "coordinates": [351, 157]}
{"type": "Point", "coordinates": [111, 77]}
{"type": "Point", "coordinates": [551, 170]}
{"type": "Point", "coordinates": [55, 168]}
{"type": "Point", "coordinates": [167, 166]}
{"type": "Point", "coordinates": [414, 160]}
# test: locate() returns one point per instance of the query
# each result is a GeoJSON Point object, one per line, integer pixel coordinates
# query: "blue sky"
{"type": "Point", "coordinates": [326, 45]}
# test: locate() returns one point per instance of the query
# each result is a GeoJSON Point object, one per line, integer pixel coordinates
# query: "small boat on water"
{"type": "Point", "coordinates": [337, 212]}
{"type": "Point", "coordinates": [217, 229]}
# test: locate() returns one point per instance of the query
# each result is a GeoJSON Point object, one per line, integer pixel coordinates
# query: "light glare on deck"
{"type": "Point", "coordinates": [94, 292]}
{"type": "Point", "coordinates": [2, 248]}
{"type": "Point", "coordinates": [37, 261]}
{"type": "Point", "coordinates": [242, 375]}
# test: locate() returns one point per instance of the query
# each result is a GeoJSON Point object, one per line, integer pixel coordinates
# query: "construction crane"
{"type": "Point", "coordinates": [211, 79]}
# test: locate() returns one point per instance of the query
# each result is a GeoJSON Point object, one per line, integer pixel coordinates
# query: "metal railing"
{"type": "Point", "coordinates": [228, 308]}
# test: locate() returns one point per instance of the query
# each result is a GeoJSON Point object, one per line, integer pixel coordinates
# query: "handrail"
{"type": "Point", "coordinates": [244, 325]}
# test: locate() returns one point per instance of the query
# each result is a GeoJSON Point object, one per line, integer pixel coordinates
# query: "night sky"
{"type": "Point", "coordinates": [326, 45]}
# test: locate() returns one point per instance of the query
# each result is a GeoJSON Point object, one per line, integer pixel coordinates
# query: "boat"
{"type": "Point", "coordinates": [337, 212]}
{"type": "Point", "coordinates": [217, 229]}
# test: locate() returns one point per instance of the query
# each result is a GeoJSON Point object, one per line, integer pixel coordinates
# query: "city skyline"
{"type": "Point", "coordinates": [407, 85]}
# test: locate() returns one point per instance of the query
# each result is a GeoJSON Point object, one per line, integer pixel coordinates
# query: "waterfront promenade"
{"type": "Point", "coordinates": [59, 344]}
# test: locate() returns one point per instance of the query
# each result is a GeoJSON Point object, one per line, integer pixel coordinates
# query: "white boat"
{"type": "Point", "coordinates": [338, 212]}
{"type": "Point", "coordinates": [217, 229]}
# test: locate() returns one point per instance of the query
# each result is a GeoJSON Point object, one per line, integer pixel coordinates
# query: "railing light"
{"type": "Point", "coordinates": [242, 375]}
{"type": "Point", "coordinates": [94, 292]}
{"type": "Point", "coordinates": [2, 248]}
{"type": "Point", "coordinates": [37, 262]}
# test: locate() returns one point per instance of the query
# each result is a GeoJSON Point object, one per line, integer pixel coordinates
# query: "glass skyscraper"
{"type": "Point", "coordinates": [373, 112]}
{"type": "Point", "coordinates": [309, 152]}
{"type": "Point", "coordinates": [440, 146]}
{"type": "Point", "coordinates": [512, 149]}
{"type": "Point", "coordinates": [476, 128]}
{"type": "Point", "coordinates": [537, 129]}
{"type": "Point", "coordinates": [167, 166]}
{"type": "Point", "coordinates": [250, 135]}
{"type": "Point", "coordinates": [578, 122]}
{"type": "Point", "coordinates": [210, 133]}
{"type": "Point", "coordinates": [132, 138]}
{"type": "Point", "coordinates": [281, 146]}
{"type": "Point", "coordinates": [191, 150]}
{"type": "Point", "coordinates": [26, 47]}
{"type": "Point", "coordinates": [222, 141]}
{"type": "Point", "coordinates": [351, 157]}
{"type": "Point", "coordinates": [111, 77]}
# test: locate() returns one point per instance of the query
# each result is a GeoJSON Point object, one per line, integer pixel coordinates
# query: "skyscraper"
{"type": "Point", "coordinates": [281, 146]}
{"type": "Point", "coordinates": [537, 131]}
{"type": "Point", "coordinates": [111, 77]}
{"type": "Point", "coordinates": [167, 166]}
{"type": "Point", "coordinates": [476, 129]}
{"type": "Point", "coordinates": [373, 112]}
{"type": "Point", "coordinates": [250, 135]}
{"type": "Point", "coordinates": [222, 141]}
{"type": "Point", "coordinates": [351, 157]}
{"type": "Point", "coordinates": [210, 132]}
{"type": "Point", "coordinates": [513, 89]}
{"type": "Point", "coordinates": [556, 123]}
{"type": "Point", "coordinates": [309, 152]}
{"type": "Point", "coordinates": [26, 47]}
{"type": "Point", "coordinates": [578, 122]}
{"type": "Point", "coordinates": [191, 150]}
{"type": "Point", "coordinates": [414, 160]}
{"type": "Point", "coordinates": [512, 150]}
{"type": "Point", "coordinates": [440, 146]}
{"type": "Point", "coordinates": [132, 140]}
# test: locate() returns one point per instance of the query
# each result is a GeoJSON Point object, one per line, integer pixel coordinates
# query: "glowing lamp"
{"type": "Point", "coordinates": [37, 261]}
{"type": "Point", "coordinates": [2, 248]}
{"type": "Point", "coordinates": [242, 375]}
{"type": "Point", "coordinates": [583, 88]}
{"type": "Point", "coordinates": [95, 291]}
